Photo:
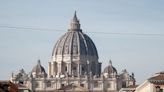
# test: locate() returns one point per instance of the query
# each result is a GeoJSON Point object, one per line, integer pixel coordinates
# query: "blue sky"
{"type": "Point", "coordinates": [141, 54]}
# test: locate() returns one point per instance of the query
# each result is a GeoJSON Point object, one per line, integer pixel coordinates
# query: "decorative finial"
{"type": "Point", "coordinates": [21, 70]}
{"type": "Point", "coordinates": [75, 18]}
{"type": "Point", "coordinates": [38, 61]}
{"type": "Point", "coordinates": [75, 25]}
{"type": "Point", "coordinates": [132, 74]}
{"type": "Point", "coordinates": [110, 62]}
{"type": "Point", "coordinates": [12, 74]}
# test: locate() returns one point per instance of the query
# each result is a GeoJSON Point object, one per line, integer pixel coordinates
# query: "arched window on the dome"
{"type": "Point", "coordinates": [65, 68]}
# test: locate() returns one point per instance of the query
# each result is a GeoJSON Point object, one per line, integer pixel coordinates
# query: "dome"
{"type": "Point", "coordinates": [110, 69]}
{"type": "Point", "coordinates": [74, 42]}
{"type": "Point", "coordinates": [74, 54]}
{"type": "Point", "coordinates": [38, 70]}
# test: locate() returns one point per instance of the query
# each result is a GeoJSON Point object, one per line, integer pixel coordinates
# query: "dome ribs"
{"type": "Point", "coordinates": [75, 48]}
{"type": "Point", "coordinates": [64, 44]}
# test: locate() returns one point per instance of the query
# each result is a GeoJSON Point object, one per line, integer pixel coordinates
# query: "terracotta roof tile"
{"type": "Point", "coordinates": [132, 86]}
{"type": "Point", "coordinates": [158, 79]}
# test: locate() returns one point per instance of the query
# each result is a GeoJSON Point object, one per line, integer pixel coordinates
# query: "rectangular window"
{"type": "Point", "coordinates": [62, 85]}
{"type": "Point", "coordinates": [82, 85]}
{"type": "Point", "coordinates": [161, 90]}
{"type": "Point", "coordinates": [96, 84]}
{"type": "Point", "coordinates": [108, 85]}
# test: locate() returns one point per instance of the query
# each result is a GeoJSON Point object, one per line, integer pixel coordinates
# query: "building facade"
{"type": "Point", "coordinates": [74, 66]}
{"type": "Point", "coordinates": [153, 84]}
{"type": "Point", "coordinates": [7, 86]}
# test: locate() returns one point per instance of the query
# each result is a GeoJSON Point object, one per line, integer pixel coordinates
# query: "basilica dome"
{"type": "Point", "coordinates": [38, 71]}
{"type": "Point", "coordinates": [110, 69]}
{"type": "Point", "coordinates": [74, 53]}
{"type": "Point", "coordinates": [74, 42]}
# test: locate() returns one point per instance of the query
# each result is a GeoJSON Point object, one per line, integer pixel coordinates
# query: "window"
{"type": "Point", "coordinates": [158, 89]}
{"type": "Point", "coordinates": [48, 84]}
{"type": "Point", "coordinates": [62, 85]}
{"type": "Point", "coordinates": [21, 82]}
{"type": "Point", "coordinates": [74, 68]}
{"type": "Point", "coordinates": [74, 72]}
{"type": "Point", "coordinates": [161, 90]}
{"type": "Point", "coordinates": [82, 85]}
{"type": "Point", "coordinates": [66, 49]}
{"type": "Point", "coordinates": [83, 68]}
{"type": "Point", "coordinates": [108, 85]}
{"type": "Point", "coordinates": [37, 85]}
{"type": "Point", "coordinates": [65, 68]}
{"type": "Point", "coordinates": [96, 84]}
{"type": "Point", "coordinates": [124, 84]}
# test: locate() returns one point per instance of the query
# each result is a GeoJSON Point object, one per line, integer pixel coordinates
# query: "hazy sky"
{"type": "Point", "coordinates": [141, 54]}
